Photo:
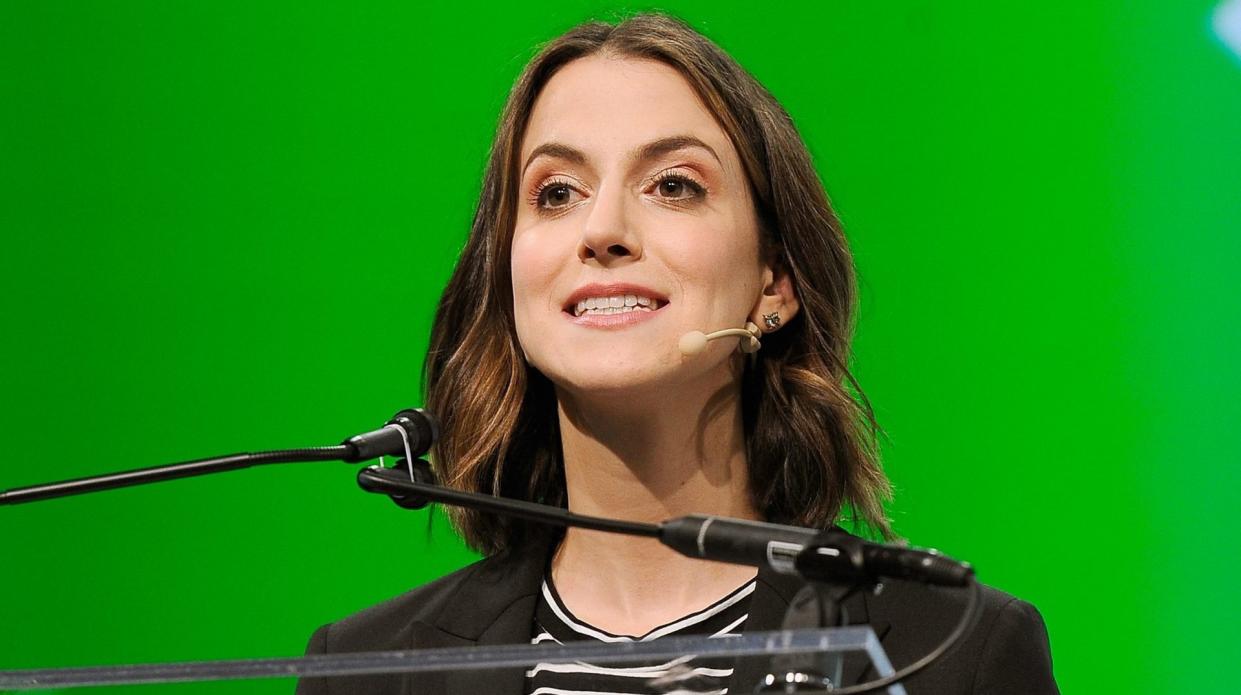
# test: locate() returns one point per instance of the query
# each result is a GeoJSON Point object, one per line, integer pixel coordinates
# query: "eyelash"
{"type": "Point", "coordinates": [699, 190]}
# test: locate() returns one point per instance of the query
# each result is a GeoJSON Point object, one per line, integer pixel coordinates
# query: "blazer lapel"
{"type": "Point", "coordinates": [494, 606]}
{"type": "Point", "coordinates": [857, 667]}
{"type": "Point", "coordinates": [772, 594]}
{"type": "Point", "coordinates": [512, 627]}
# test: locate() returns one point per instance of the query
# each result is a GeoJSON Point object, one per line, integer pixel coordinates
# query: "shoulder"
{"type": "Point", "coordinates": [1006, 651]}
{"type": "Point", "coordinates": [900, 600]}
{"type": "Point", "coordinates": [388, 626]}
{"type": "Point", "coordinates": [1015, 646]}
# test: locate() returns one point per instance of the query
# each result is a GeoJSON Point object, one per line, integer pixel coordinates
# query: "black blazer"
{"type": "Point", "coordinates": [493, 601]}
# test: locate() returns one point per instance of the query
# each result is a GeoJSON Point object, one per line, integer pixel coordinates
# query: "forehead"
{"type": "Point", "coordinates": [605, 105]}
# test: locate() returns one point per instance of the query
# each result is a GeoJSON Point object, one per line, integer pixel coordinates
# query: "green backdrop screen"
{"type": "Point", "coordinates": [225, 227]}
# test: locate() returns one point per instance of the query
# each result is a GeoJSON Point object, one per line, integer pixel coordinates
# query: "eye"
{"type": "Point", "coordinates": [672, 186]}
{"type": "Point", "coordinates": [552, 194]}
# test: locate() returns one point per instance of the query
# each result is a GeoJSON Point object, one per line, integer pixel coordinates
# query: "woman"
{"type": "Point", "coordinates": [642, 187]}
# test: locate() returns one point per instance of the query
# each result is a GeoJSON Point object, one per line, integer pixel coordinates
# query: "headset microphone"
{"type": "Point", "coordinates": [695, 342]}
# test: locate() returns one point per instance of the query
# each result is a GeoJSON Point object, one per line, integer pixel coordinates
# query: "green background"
{"type": "Point", "coordinates": [225, 226]}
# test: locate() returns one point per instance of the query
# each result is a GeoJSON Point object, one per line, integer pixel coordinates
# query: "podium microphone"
{"type": "Point", "coordinates": [409, 433]}
{"type": "Point", "coordinates": [814, 555]}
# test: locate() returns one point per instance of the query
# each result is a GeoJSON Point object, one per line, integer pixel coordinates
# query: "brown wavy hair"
{"type": "Point", "coordinates": [810, 432]}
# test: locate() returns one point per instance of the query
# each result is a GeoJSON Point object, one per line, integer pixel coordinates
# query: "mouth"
{"type": "Point", "coordinates": [613, 300]}
{"type": "Point", "coordinates": [616, 304]}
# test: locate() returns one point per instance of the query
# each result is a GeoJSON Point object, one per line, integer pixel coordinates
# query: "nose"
{"type": "Point", "coordinates": [607, 236]}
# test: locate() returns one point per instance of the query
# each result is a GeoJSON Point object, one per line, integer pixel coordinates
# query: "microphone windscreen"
{"type": "Point", "coordinates": [693, 343]}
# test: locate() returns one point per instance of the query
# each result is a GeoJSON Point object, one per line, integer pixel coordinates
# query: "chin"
{"type": "Point", "coordinates": [620, 388]}
{"type": "Point", "coordinates": [610, 375]}
{"type": "Point", "coordinates": [612, 383]}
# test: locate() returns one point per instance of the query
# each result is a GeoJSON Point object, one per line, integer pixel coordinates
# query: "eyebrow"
{"type": "Point", "coordinates": [647, 152]}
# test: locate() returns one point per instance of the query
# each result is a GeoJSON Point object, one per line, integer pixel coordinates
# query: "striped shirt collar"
{"type": "Point", "coordinates": [721, 617]}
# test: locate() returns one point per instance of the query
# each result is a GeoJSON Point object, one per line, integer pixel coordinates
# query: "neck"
{"type": "Point", "coordinates": [652, 460]}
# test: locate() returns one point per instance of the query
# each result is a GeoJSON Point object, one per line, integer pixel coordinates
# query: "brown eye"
{"type": "Point", "coordinates": [672, 188]}
{"type": "Point", "coordinates": [677, 187]}
{"type": "Point", "coordinates": [555, 194]}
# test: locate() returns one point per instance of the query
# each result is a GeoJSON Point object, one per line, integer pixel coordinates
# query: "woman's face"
{"type": "Point", "coordinates": [634, 226]}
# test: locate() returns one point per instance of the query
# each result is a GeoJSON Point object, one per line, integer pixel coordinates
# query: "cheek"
{"type": "Point", "coordinates": [535, 264]}
{"type": "Point", "coordinates": [722, 261]}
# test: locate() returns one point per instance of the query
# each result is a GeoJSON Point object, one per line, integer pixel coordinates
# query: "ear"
{"type": "Point", "coordinates": [778, 300]}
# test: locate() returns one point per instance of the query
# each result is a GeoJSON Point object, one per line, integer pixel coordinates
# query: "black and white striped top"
{"type": "Point", "coordinates": [688, 675]}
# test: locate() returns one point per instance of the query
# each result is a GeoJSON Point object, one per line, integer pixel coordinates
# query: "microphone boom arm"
{"type": "Point", "coordinates": [411, 432]}
{"type": "Point", "coordinates": [172, 471]}
{"type": "Point", "coordinates": [393, 482]}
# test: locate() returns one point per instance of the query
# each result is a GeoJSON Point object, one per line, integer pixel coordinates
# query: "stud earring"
{"type": "Point", "coordinates": [772, 320]}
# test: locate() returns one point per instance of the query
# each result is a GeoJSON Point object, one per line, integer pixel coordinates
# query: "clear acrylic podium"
{"type": "Point", "coordinates": [825, 643]}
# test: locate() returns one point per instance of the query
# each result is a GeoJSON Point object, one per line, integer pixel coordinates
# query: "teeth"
{"type": "Point", "coordinates": [617, 304]}
{"type": "Point", "coordinates": [609, 310]}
